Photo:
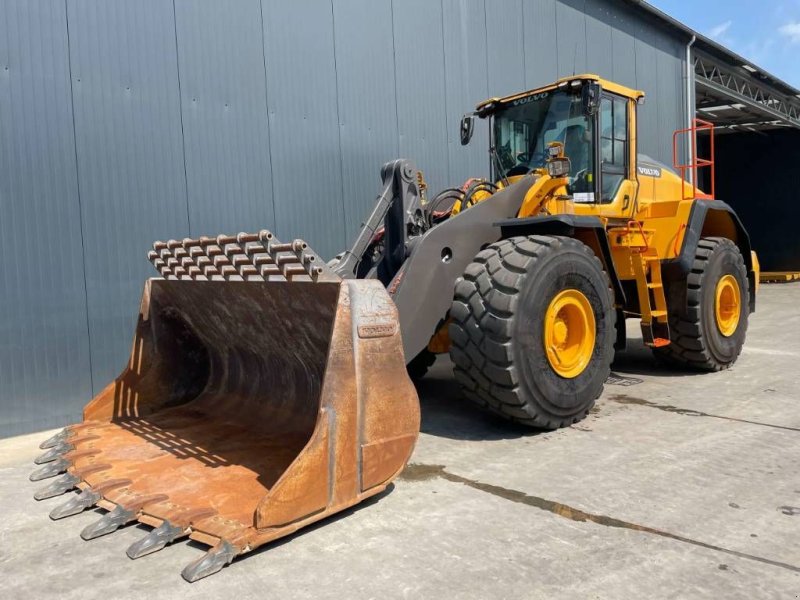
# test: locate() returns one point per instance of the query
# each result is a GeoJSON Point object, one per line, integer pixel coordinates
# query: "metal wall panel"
{"type": "Point", "coordinates": [599, 39]}
{"type": "Point", "coordinates": [420, 84]}
{"type": "Point", "coordinates": [541, 44]}
{"type": "Point", "coordinates": [201, 116]}
{"type": "Point", "coordinates": [669, 61]}
{"type": "Point", "coordinates": [366, 99]}
{"type": "Point", "coordinates": [466, 81]}
{"type": "Point", "coordinates": [303, 119]}
{"type": "Point", "coordinates": [647, 80]}
{"type": "Point", "coordinates": [44, 345]}
{"type": "Point", "coordinates": [505, 45]}
{"type": "Point", "coordinates": [659, 68]}
{"type": "Point", "coordinates": [130, 158]}
{"type": "Point", "coordinates": [623, 46]}
{"type": "Point", "coordinates": [225, 127]}
{"type": "Point", "coordinates": [571, 37]}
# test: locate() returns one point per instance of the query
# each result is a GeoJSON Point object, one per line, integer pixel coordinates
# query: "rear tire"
{"type": "Point", "coordinates": [498, 329]}
{"type": "Point", "coordinates": [696, 329]}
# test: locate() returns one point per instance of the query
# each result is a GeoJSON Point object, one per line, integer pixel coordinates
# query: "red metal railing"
{"type": "Point", "coordinates": [695, 163]}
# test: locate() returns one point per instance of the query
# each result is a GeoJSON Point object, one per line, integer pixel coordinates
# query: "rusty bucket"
{"type": "Point", "coordinates": [262, 394]}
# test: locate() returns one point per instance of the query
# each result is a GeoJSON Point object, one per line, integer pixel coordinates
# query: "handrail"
{"type": "Point", "coordinates": [695, 163]}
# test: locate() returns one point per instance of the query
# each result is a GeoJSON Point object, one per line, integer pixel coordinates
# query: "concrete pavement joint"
{"type": "Point", "coordinates": [623, 399]}
{"type": "Point", "coordinates": [420, 472]}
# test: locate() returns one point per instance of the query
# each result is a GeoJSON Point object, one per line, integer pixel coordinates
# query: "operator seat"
{"type": "Point", "coordinates": [575, 146]}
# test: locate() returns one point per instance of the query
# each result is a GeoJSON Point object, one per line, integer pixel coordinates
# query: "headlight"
{"type": "Point", "coordinates": [558, 167]}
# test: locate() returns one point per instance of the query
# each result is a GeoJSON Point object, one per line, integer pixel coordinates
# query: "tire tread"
{"type": "Point", "coordinates": [481, 331]}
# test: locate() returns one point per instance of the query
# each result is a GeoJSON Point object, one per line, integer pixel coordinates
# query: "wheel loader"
{"type": "Point", "coordinates": [267, 389]}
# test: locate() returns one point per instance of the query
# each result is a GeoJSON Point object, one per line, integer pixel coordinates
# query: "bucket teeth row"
{"type": "Point", "coordinates": [77, 504]}
{"type": "Point", "coordinates": [213, 561]}
{"type": "Point", "coordinates": [154, 541]}
{"type": "Point", "coordinates": [59, 486]}
{"type": "Point", "coordinates": [55, 440]}
{"type": "Point", "coordinates": [108, 523]}
{"type": "Point", "coordinates": [243, 257]}
{"type": "Point", "coordinates": [51, 469]}
{"type": "Point", "coordinates": [53, 453]}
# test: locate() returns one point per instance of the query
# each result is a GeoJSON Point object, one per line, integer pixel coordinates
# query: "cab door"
{"type": "Point", "coordinates": [617, 186]}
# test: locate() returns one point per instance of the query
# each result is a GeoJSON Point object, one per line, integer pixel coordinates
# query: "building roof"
{"type": "Point", "coordinates": [722, 72]}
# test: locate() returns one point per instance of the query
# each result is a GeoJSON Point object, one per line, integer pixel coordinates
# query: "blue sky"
{"type": "Point", "coordinates": [766, 32]}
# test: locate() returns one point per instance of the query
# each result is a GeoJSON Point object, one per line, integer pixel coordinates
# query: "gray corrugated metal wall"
{"type": "Point", "coordinates": [126, 121]}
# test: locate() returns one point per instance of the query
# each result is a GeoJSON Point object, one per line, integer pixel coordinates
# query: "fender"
{"type": "Point", "coordinates": [569, 226]}
{"type": "Point", "coordinates": [591, 231]}
{"type": "Point", "coordinates": [711, 218]}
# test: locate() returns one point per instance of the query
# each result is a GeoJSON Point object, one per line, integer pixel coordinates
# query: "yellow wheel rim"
{"type": "Point", "coordinates": [569, 333]}
{"type": "Point", "coordinates": [727, 305]}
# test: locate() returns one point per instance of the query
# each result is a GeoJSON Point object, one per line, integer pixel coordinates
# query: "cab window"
{"type": "Point", "coordinates": [613, 144]}
{"type": "Point", "coordinates": [524, 128]}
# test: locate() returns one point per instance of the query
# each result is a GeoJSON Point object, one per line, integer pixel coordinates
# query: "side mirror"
{"type": "Point", "coordinates": [467, 127]}
{"type": "Point", "coordinates": [591, 98]}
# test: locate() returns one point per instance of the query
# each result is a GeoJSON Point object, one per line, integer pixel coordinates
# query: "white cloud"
{"type": "Point", "coordinates": [720, 30]}
{"type": "Point", "coordinates": [791, 30]}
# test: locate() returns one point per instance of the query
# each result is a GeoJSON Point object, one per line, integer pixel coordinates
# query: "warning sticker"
{"type": "Point", "coordinates": [583, 197]}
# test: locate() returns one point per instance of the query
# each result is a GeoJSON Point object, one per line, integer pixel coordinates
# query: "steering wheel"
{"type": "Point", "coordinates": [518, 170]}
{"type": "Point", "coordinates": [527, 163]}
{"type": "Point", "coordinates": [538, 159]}
{"type": "Point", "coordinates": [579, 182]}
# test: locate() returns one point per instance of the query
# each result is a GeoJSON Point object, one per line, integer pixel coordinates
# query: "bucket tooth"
{"type": "Point", "coordinates": [54, 440]}
{"type": "Point", "coordinates": [213, 561]}
{"type": "Point", "coordinates": [53, 453]}
{"type": "Point", "coordinates": [59, 486]}
{"type": "Point", "coordinates": [155, 540]}
{"type": "Point", "coordinates": [76, 504]}
{"type": "Point", "coordinates": [51, 469]}
{"type": "Point", "coordinates": [108, 523]}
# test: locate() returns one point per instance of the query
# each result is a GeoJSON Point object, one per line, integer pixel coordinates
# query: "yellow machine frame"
{"type": "Point", "coordinates": [646, 222]}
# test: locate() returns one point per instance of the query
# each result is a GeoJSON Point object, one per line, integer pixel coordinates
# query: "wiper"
{"type": "Point", "coordinates": [499, 165]}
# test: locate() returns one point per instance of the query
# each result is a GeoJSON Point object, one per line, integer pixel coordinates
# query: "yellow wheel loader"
{"type": "Point", "coordinates": [267, 389]}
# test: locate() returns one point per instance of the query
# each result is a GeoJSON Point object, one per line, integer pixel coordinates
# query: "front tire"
{"type": "Point", "coordinates": [532, 330]}
{"type": "Point", "coordinates": [708, 311]}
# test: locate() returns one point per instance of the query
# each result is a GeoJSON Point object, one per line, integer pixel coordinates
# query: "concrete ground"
{"type": "Point", "coordinates": [676, 486]}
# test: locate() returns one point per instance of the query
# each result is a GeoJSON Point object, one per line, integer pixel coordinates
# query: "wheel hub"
{"type": "Point", "coordinates": [727, 305]}
{"type": "Point", "coordinates": [569, 333]}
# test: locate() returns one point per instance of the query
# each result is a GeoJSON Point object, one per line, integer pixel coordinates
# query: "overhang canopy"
{"type": "Point", "coordinates": [731, 91]}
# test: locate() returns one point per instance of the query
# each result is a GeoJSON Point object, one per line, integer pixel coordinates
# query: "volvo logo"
{"type": "Point", "coordinates": [532, 98]}
{"type": "Point", "coordinates": [649, 171]}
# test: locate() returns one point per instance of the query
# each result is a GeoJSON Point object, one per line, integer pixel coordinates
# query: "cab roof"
{"type": "Point", "coordinates": [487, 106]}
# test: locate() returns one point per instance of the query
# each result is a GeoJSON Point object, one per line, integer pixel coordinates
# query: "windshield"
{"type": "Point", "coordinates": [524, 128]}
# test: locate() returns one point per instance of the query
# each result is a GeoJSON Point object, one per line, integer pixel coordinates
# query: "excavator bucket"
{"type": "Point", "coordinates": [263, 393]}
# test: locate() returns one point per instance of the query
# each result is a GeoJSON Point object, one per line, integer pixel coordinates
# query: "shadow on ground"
{"type": "Point", "coordinates": [638, 359]}
{"type": "Point", "coordinates": [445, 413]}
{"type": "Point", "coordinates": [307, 529]}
